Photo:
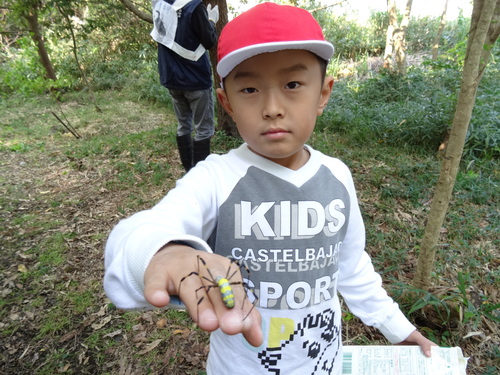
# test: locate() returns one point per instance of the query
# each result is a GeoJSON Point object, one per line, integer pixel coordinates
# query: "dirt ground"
{"type": "Point", "coordinates": [91, 212]}
{"type": "Point", "coordinates": [46, 193]}
{"type": "Point", "coordinates": [74, 195]}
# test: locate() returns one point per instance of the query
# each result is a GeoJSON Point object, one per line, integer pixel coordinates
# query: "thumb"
{"type": "Point", "coordinates": [156, 295]}
{"type": "Point", "coordinates": [156, 282]}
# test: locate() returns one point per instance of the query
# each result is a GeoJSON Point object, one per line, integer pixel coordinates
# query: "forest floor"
{"type": "Point", "coordinates": [61, 196]}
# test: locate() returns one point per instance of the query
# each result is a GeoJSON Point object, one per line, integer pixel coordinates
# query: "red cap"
{"type": "Point", "coordinates": [269, 27]}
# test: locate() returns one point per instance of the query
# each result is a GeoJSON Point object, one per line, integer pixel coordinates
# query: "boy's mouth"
{"type": "Point", "coordinates": [275, 132]}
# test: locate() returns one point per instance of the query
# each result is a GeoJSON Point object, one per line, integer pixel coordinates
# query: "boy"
{"type": "Point", "coordinates": [286, 211]}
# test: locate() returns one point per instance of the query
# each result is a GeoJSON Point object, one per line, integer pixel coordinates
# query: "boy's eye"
{"type": "Point", "coordinates": [292, 85]}
{"type": "Point", "coordinates": [249, 90]}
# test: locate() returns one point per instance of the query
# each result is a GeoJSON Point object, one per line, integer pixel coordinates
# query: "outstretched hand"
{"type": "Point", "coordinates": [173, 263]}
{"type": "Point", "coordinates": [416, 338]}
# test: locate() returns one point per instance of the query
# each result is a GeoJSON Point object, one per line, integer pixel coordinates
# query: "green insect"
{"type": "Point", "coordinates": [224, 284]}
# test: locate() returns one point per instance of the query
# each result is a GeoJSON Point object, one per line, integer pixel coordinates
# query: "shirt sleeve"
{"type": "Point", "coordinates": [204, 28]}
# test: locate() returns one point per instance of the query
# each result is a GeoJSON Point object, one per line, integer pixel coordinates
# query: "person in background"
{"type": "Point", "coordinates": [185, 30]}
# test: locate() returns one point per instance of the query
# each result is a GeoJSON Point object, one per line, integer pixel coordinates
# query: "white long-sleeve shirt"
{"type": "Point", "coordinates": [302, 237]}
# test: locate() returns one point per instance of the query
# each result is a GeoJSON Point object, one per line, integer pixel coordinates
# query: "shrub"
{"type": "Point", "coordinates": [421, 33]}
{"type": "Point", "coordinates": [349, 38]}
{"type": "Point", "coordinates": [22, 71]}
{"type": "Point", "coordinates": [414, 110]}
{"type": "Point", "coordinates": [483, 137]}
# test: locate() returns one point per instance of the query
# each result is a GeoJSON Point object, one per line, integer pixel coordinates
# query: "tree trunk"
{"type": "Point", "coordinates": [34, 28]}
{"type": "Point", "coordinates": [224, 122]}
{"type": "Point", "coordinates": [439, 35]}
{"type": "Point", "coordinates": [400, 40]}
{"type": "Point", "coordinates": [492, 33]}
{"type": "Point", "coordinates": [482, 36]}
{"type": "Point", "coordinates": [77, 60]}
{"type": "Point", "coordinates": [389, 40]}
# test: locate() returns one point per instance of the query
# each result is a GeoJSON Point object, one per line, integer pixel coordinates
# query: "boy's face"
{"type": "Point", "coordinates": [274, 99]}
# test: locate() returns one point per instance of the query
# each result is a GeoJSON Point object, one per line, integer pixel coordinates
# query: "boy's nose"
{"type": "Point", "coordinates": [273, 107]}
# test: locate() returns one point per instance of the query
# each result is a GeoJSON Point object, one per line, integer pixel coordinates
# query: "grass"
{"type": "Point", "coordinates": [60, 196]}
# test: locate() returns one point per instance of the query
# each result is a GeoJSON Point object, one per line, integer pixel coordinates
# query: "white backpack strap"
{"type": "Point", "coordinates": [187, 54]}
{"type": "Point", "coordinates": [179, 4]}
{"type": "Point", "coordinates": [164, 23]}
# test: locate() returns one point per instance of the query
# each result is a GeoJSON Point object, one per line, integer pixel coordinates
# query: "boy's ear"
{"type": "Point", "coordinates": [326, 91]}
{"type": "Point", "coordinates": [224, 101]}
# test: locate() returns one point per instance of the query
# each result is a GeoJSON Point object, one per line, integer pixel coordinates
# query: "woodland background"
{"type": "Point", "coordinates": [91, 139]}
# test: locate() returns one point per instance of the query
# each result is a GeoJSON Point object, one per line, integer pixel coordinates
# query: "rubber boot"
{"type": "Point", "coordinates": [185, 146]}
{"type": "Point", "coordinates": [201, 149]}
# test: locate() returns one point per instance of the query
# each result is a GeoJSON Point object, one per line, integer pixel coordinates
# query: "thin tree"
{"type": "Point", "coordinates": [400, 39]}
{"type": "Point", "coordinates": [77, 60]}
{"type": "Point", "coordinates": [392, 12]}
{"type": "Point", "coordinates": [224, 122]}
{"type": "Point", "coordinates": [484, 31]}
{"type": "Point", "coordinates": [439, 34]}
{"type": "Point", "coordinates": [30, 11]}
{"type": "Point", "coordinates": [395, 43]}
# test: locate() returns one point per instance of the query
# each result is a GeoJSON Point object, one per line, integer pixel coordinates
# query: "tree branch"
{"type": "Point", "coordinates": [142, 15]}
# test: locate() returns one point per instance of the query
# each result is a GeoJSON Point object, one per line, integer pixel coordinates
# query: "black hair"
{"type": "Point", "coordinates": [323, 64]}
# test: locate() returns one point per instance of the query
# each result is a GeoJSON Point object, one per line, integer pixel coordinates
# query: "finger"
{"type": "Point", "coordinates": [243, 318]}
{"type": "Point", "coordinates": [194, 295]}
{"type": "Point", "coordinates": [156, 281]}
{"type": "Point", "coordinates": [424, 343]}
{"type": "Point", "coordinates": [219, 288]}
{"type": "Point", "coordinates": [207, 320]}
{"type": "Point", "coordinates": [425, 346]}
{"type": "Point", "coordinates": [200, 293]}
{"type": "Point", "coordinates": [232, 323]}
{"type": "Point", "coordinates": [227, 295]}
{"type": "Point", "coordinates": [252, 330]}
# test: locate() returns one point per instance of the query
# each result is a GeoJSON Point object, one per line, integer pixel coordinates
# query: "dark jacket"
{"type": "Point", "coordinates": [193, 29]}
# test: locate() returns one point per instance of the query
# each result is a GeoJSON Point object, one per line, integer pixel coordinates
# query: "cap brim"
{"type": "Point", "coordinates": [320, 48]}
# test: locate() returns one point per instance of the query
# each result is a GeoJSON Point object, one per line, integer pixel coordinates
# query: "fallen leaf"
{"type": "Point", "coordinates": [161, 323]}
{"type": "Point", "coordinates": [140, 337]}
{"type": "Point", "coordinates": [64, 369]}
{"type": "Point", "coordinates": [180, 331]}
{"type": "Point", "coordinates": [151, 346]}
{"type": "Point", "coordinates": [14, 317]}
{"type": "Point", "coordinates": [102, 311]}
{"type": "Point", "coordinates": [470, 334]}
{"type": "Point", "coordinates": [22, 268]}
{"type": "Point", "coordinates": [114, 333]}
{"type": "Point", "coordinates": [102, 323]}
{"type": "Point", "coordinates": [69, 336]}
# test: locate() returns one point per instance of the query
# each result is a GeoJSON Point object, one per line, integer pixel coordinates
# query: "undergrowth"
{"type": "Point", "coordinates": [61, 196]}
